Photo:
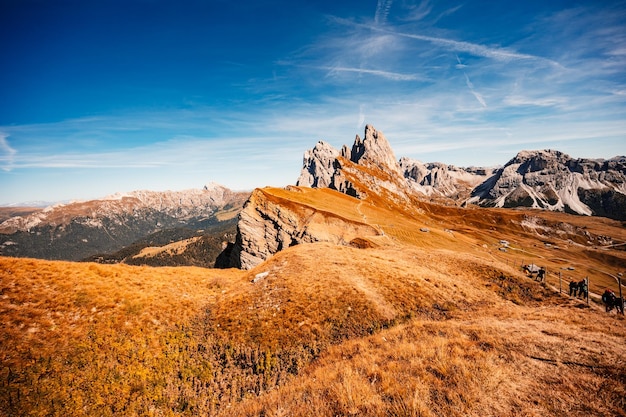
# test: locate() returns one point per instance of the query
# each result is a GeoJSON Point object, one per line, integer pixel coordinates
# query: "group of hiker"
{"type": "Point", "coordinates": [578, 289]}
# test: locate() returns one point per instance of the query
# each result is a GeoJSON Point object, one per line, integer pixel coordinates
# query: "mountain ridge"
{"type": "Point", "coordinates": [368, 170]}
{"type": "Point", "coordinates": [545, 179]}
{"type": "Point", "coordinates": [79, 230]}
{"type": "Point", "coordinates": [552, 180]}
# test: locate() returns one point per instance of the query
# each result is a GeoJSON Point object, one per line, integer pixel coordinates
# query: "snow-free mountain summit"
{"type": "Point", "coordinates": [552, 180]}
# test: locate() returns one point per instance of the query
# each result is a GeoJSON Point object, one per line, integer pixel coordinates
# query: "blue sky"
{"type": "Point", "coordinates": [103, 96]}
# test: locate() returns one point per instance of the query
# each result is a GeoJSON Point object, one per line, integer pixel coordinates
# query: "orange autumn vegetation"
{"type": "Point", "coordinates": [408, 323]}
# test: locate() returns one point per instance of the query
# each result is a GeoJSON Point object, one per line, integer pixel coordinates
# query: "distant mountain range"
{"type": "Point", "coordinates": [118, 227]}
{"type": "Point", "coordinates": [554, 181]}
{"type": "Point", "coordinates": [543, 179]}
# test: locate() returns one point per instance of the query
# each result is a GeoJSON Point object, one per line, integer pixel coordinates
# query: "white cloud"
{"type": "Point", "coordinates": [492, 52]}
{"type": "Point", "coordinates": [478, 96]}
{"type": "Point", "coordinates": [460, 65]}
{"type": "Point", "coordinates": [499, 54]}
{"type": "Point", "coordinates": [382, 11]}
{"type": "Point", "coordinates": [385, 74]}
{"type": "Point", "coordinates": [361, 116]}
{"type": "Point", "coordinates": [7, 154]}
{"type": "Point", "coordinates": [419, 12]}
{"type": "Point", "coordinates": [520, 101]}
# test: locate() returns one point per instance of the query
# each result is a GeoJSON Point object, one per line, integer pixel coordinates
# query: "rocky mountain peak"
{"type": "Point", "coordinates": [317, 166]}
{"type": "Point", "coordinates": [373, 149]}
{"type": "Point", "coordinates": [533, 161]}
{"type": "Point", "coordinates": [552, 180]}
{"type": "Point", "coordinates": [369, 165]}
{"type": "Point", "coordinates": [320, 166]}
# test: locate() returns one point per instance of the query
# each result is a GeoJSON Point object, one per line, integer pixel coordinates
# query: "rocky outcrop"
{"type": "Point", "coordinates": [322, 165]}
{"type": "Point", "coordinates": [271, 221]}
{"type": "Point", "coordinates": [373, 150]}
{"type": "Point", "coordinates": [552, 180]}
{"type": "Point", "coordinates": [437, 179]}
{"type": "Point", "coordinates": [318, 166]}
{"type": "Point", "coordinates": [368, 167]}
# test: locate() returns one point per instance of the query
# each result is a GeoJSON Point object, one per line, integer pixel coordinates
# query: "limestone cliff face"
{"type": "Point", "coordinates": [437, 179]}
{"type": "Point", "coordinates": [317, 166]}
{"type": "Point", "coordinates": [274, 219]}
{"type": "Point", "coordinates": [552, 180]}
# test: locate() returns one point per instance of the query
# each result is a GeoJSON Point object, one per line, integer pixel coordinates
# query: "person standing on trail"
{"type": "Point", "coordinates": [582, 288]}
{"type": "Point", "coordinates": [541, 275]}
{"type": "Point", "coordinates": [573, 288]}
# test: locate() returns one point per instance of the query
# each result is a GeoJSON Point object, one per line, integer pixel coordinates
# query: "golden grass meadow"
{"type": "Point", "coordinates": [407, 323]}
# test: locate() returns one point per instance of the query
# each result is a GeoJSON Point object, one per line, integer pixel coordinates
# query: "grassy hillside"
{"type": "Point", "coordinates": [408, 323]}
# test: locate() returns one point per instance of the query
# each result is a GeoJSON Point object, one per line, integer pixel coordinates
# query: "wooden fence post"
{"type": "Point", "coordinates": [619, 284]}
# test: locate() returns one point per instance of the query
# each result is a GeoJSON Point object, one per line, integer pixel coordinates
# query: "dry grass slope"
{"type": "Point", "coordinates": [407, 323]}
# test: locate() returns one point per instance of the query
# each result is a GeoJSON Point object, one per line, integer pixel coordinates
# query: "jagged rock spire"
{"type": "Point", "coordinates": [375, 149]}
{"type": "Point", "coordinates": [317, 166]}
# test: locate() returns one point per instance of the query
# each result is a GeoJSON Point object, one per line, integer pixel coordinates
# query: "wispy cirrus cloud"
{"type": "Point", "coordinates": [382, 11]}
{"type": "Point", "coordinates": [395, 76]}
{"type": "Point", "coordinates": [7, 153]}
{"type": "Point", "coordinates": [497, 53]}
{"type": "Point", "coordinates": [419, 12]}
{"type": "Point", "coordinates": [519, 100]}
{"type": "Point", "coordinates": [478, 96]}
{"type": "Point", "coordinates": [454, 45]}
